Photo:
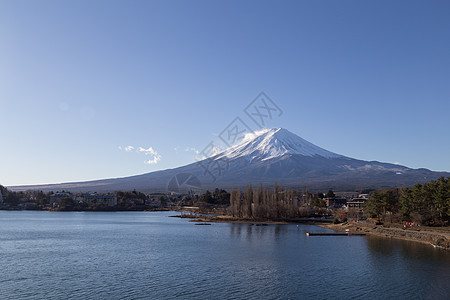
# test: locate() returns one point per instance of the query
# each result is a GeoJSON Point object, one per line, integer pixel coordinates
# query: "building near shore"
{"type": "Point", "coordinates": [336, 202]}
{"type": "Point", "coordinates": [346, 195]}
{"type": "Point", "coordinates": [94, 199]}
{"type": "Point", "coordinates": [56, 198]}
{"type": "Point", "coordinates": [356, 203]}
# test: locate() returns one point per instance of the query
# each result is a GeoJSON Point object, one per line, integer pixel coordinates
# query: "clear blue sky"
{"type": "Point", "coordinates": [79, 79]}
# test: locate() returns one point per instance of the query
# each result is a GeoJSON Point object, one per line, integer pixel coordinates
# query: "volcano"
{"type": "Point", "coordinates": [271, 156]}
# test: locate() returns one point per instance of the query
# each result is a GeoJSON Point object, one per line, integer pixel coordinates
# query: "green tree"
{"type": "Point", "coordinates": [427, 203]}
{"type": "Point", "coordinates": [66, 203]}
{"type": "Point", "coordinates": [2, 192]}
{"type": "Point", "coordinates": [406, 207]}
{"type": "Point", "coordinates": [373, 206]}
{"type": "Point", "coordinates": [330, 194]}
{"type": "Point", "coordinates": [440, 198]}
{"type": "Point", "coordinates": [221, 197]}
{"type": "Point", "coordinates": [317, 202]}
{"type": "Point", "coordinates": [162, 200]}
{"type": "Point", "coordinates": [206, 197]}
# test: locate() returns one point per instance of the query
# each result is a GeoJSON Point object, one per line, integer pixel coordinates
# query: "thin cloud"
{"type": "Point", "coordinates": [251, 135]}
{"type": "Point", "coordinates": [192, 149]}
{"type": "Point", "coordinates": [155, 157]}
{"type": "Point", "coordinates": [153, 161]}
{"type": "Point", "coordinates": [148, 151]}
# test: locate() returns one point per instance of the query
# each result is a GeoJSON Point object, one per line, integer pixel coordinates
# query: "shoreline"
{"type": "Point", "coordinates": [436, 237]}
{"type": "Point", "coordinates": [427, 235]}
{"type": "Point", "coordinates": [236, 220]}
{"type": "Point", "coordinates": [424, 235]}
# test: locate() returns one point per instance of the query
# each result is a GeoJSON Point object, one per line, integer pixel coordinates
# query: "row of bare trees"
{"type": "Point", "coordinates": [262, 202]}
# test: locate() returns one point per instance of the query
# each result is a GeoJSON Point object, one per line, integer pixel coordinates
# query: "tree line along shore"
{"type": "Point", "coordinates": [423, 208]}
{"type": "Point", "coordinates": [425, 204]}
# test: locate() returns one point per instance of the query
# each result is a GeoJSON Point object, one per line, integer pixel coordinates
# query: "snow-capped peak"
{"type": "Point", "coordinates": [272, 143]}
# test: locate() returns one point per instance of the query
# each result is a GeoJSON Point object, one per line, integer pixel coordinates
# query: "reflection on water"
{"type": "Point", "coordinates": [247, 231]}
{"type": "Point", "coordinates": [412, 264]}
{"type": "Point", "coordinates": [409, 249]}
{"type": "Point", "coordinates": [148, 255]}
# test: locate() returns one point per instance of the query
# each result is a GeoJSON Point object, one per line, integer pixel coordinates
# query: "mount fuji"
{"type": "Point", "coordinates": [270, 156]}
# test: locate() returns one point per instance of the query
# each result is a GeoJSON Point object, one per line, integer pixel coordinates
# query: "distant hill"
{"type": "Point", "coordinates": [276, 155]}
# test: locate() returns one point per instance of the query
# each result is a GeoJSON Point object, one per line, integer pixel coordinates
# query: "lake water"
{"type": "Point", "coordinates": [147, 255]}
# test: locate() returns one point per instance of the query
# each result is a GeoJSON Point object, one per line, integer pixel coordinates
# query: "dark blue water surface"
{"type": "Point", "coordinates": [147, 255]}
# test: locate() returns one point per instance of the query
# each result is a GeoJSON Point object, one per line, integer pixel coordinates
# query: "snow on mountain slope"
{"type": "Point", "coordinates": [271, 156]}
{"type": "Point", "coordinates": [273, 143]}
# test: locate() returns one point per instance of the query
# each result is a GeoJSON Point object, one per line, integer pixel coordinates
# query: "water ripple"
{"type": "Point", "coordinates": [150, 256]}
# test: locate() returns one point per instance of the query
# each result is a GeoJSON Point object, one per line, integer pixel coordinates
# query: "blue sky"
{"type": "Point", "coordinates": [82, 80]}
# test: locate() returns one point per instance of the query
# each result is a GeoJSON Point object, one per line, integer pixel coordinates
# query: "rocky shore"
{"type": "Point", "coordinates": [437, 237]}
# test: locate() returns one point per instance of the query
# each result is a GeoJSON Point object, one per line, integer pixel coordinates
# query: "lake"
{"type": "Point", "coordinates": [148, 255]}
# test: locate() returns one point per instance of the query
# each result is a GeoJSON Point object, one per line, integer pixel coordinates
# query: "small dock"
{"type": "Point", "coordinates": [332, 233]}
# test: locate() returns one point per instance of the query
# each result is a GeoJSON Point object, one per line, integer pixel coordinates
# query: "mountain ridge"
{"type": "Point", "coordinates": [276, 142]}
{"type": "Point", "coordinates": [270, 156]}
